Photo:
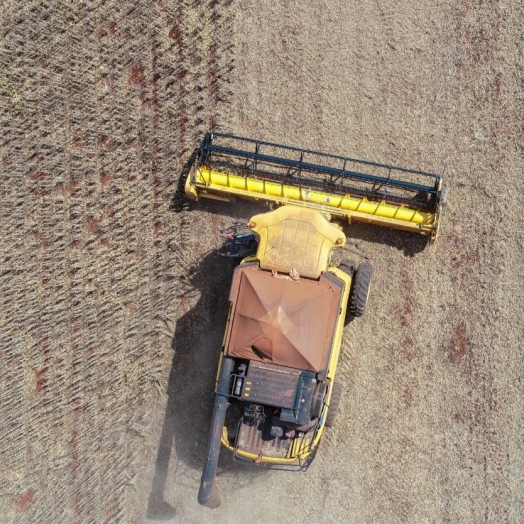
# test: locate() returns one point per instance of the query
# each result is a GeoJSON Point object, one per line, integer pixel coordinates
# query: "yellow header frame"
{"type": "Point", "coordinates": [206, 183]}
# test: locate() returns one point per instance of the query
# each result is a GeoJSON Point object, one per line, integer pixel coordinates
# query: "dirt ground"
{"type": "Point", "coordinates": [113, 303]}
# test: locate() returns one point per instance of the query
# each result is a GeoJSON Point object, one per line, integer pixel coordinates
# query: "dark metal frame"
{"type": "Point", "coordinates": [390, 185]}
{"type": "Point", "coordinates": [239, 241]}
{"type": "Point", "coordinates": [301, 465]}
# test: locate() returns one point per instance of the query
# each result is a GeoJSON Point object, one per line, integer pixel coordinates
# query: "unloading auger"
{"type": "Point", "coordinates": [229, 167]}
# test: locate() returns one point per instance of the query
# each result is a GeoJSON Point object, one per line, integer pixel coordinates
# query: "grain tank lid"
{"type": "Point", "coordinates": [282, 321]}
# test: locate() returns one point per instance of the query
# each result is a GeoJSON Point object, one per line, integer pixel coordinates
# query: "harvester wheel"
{"type": "Point", "coordinates": [348, 266]}
{"type": "Point", "coordinates": [334, 404]}
{"type": "Point", "coordinates": [360, 290]}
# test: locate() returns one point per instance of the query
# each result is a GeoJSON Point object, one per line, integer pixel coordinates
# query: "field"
{"type": "Point", "coordinates": [113, 303]}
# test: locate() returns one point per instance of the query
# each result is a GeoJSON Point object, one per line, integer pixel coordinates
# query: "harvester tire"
{"type": "Point", "coordinates": [318, 400]}
{"type": "Point", "coordinates": [348, 266]}
{"type": "Point", "coordinates": [360, 290]}
{"type": "Point", "coordinates": [334, 403]}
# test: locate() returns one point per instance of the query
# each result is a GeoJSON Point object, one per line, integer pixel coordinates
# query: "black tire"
{"type": "Point", "coordinates": [348, 266]}
{"type": "Point", "coordinates": [360, 290]}
{"type": "Point", "coordinates": [334, 403]}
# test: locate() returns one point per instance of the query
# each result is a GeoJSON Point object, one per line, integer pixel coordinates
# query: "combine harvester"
{"type": "Point", "coordinates": [276, 388]}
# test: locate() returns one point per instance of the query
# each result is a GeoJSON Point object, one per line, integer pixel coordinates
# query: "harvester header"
{"type": "Point", "coordinates": [228, 167]}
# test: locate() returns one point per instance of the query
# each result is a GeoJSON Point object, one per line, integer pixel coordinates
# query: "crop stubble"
{"type": "Point", "coordinates": [112, 304]}
{"type": "Point", "coordinates": [101, 104]}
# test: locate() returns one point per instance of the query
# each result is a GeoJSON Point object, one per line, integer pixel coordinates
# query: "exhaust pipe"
{"type": "Point", "coordinates": [208, 494]}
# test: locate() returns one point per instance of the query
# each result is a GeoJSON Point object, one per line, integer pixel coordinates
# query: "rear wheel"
{"type": "Point", "coordinates": [334, 403]}
{"type": "Point", "coordinates": [360, 289]}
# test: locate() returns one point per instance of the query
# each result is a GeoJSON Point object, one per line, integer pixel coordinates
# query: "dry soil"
{"type": "Point", "coordinates": [113, 302]}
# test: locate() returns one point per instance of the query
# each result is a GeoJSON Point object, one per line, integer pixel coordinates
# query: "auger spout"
{"type": "Point", "coordinates": [208, 494]}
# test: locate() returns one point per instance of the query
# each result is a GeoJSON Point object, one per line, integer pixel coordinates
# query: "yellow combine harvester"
{"type": "Point", "coordinates": [276, 390]}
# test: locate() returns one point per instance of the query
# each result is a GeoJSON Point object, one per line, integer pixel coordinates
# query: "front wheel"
{"type": "Point", "coordinates": [360, 290]}
{"type": "Point", "coordinates": [348, 266]}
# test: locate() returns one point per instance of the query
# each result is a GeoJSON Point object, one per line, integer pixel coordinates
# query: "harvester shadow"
{"type": "Point", "coordinates": [404, 241]}
{"type": "Point", "coordinates": [196, 344]}
{"type": "Point", "coordinates": [178, 202]}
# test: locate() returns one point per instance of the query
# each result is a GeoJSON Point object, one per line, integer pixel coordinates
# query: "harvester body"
{"type": "Point", "coordinates": [276, 388]}
{"type": "Point", "coordinates": [281, 345]}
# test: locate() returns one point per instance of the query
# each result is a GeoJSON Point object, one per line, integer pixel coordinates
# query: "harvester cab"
{"type": "Point", "coordinates": [276, 390]}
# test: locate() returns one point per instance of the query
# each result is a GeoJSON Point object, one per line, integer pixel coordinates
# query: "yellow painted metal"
{"type": "Point", "coordinates": [296, 238]}
{"type": "Point", "coordinates": [203, 182]}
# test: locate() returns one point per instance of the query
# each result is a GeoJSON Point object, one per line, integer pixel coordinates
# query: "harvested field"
{"type": "Point", "coordinates": [113, 303]}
